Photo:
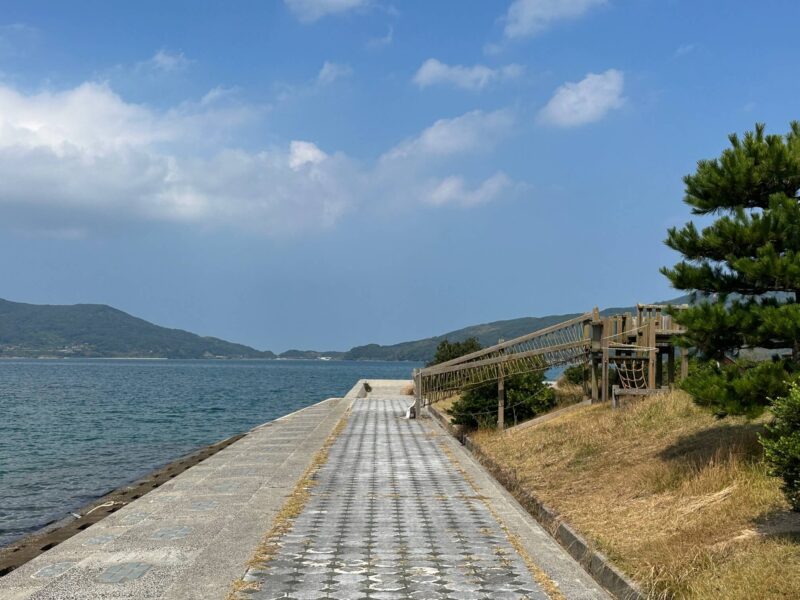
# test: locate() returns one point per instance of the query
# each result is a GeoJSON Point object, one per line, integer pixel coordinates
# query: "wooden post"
{"type": "Point", "coordinates": [501, 400]}
{"type": "Point", "coordinates": [659, 370]}
{"type": "Point", "coordinates": [501, 393]}
{"type": "Point", "coordinates": [585, 384]}
{"type": "Point", "coordinates": [652, 354]}
{"type": "Point", "coordinates": [595, 351]}
{"type": "Point", "coordinates": [417, 394]}
{"type": "Point", "coordinates": [604, 378]}
{"type": "Point", "coordinates": [671, 365]}
{"type": "Point", "coordinates": [684, 363]}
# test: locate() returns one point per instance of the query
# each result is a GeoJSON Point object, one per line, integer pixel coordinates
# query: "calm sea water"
{"type": "Point", "coordinates": [72, 430]}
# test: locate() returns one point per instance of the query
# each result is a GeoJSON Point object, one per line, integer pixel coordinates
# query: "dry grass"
{"type": "Point", "coordinates": [567, 393]}
{"type": "Point", "coordinates": [408, 390]}
{"type": "Point", "coordinates": [291, 509]}
{"type": "Point", "coordinates": [678, 499]}
{"type": "Point", "coordinates": [445, 404]}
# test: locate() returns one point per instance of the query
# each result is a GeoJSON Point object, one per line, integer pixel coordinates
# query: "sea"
{"type": "Point", "coordinates": [72, 430]}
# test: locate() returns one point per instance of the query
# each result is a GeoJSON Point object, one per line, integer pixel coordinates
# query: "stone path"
{"type": "Point", "coordinates": [393, 517]}
{"type": "Point", "coordinates": [190, 538]}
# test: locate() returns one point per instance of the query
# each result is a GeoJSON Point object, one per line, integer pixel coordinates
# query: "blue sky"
{"type": "Point", "coordinates": [326, 173]}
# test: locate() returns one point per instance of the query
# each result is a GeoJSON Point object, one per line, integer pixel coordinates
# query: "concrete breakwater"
{"type": "Point", "coordinates": [16, 554]}
{"type": "Point", "coordinates": [191, 537]}
{"type": "Point", "coordinates": [397, 510]}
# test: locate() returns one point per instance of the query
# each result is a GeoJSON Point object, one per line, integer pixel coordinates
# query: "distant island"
{"type": "Point", "coordinates": [101, 331]}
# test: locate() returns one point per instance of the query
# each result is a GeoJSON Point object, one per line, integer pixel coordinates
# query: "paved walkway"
{"type": "Point", "coordinates": [400, 511]}
{"type": "Point", "coordinates": [190, 538]}
{"type": "Point", "coordinates": [393, 516]}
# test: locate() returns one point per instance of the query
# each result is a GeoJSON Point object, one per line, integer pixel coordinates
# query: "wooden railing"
{"type": "Point", "coordinates": [633, 342]}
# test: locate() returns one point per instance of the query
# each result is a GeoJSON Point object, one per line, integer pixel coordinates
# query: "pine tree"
{"type": "Point", "coordinates": [447, 350]}
{"type": "Point", "coordinates": [744, 270]}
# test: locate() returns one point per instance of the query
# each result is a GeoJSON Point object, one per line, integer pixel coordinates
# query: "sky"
{"type": "Point", "coordinates": [326, 173]}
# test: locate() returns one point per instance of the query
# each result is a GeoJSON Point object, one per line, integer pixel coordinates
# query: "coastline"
{"type": "Point", "coordinates": [29, 546]}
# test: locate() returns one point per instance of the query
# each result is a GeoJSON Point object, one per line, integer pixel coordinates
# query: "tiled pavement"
{"type": "Point", "coordinates": [392, 517]}
{"type": "Point", "coordinates": [190, 538]}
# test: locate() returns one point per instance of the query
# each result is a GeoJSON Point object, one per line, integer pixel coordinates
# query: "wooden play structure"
{"type": "Point", "coordinates": [638, 348]}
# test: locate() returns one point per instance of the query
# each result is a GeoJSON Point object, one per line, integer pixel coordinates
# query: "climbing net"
{"type": "Point", "coordinates": [631, 363]}
{"type": "Point", "coordinates": [632, 373]}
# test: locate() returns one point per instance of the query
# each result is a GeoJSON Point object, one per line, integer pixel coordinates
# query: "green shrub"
{"type": "Point", "coordinates": [782, 443]}
{"type": "Point", "coordinates": [576, 374]}
{"type": "Point", "coordinates": [526, 396]}
{"type": "Point", "coordinates": [738, 388]}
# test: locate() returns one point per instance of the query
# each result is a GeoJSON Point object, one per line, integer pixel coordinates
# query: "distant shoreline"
{"type": "Point", "coordinates": [220, 359]}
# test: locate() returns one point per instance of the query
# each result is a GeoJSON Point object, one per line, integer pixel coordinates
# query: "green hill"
{"type": "Point", "coordinates": [487, 334]}
{"type": "Point", "coordinates": [97, 330]}
{"type": "Point", "coordinates": [310, 354]}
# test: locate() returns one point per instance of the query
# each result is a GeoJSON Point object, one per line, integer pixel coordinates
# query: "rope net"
{"type": "Point", "coordinates": [632, 363]}
{"type": "Point", "coordinates": [566, 343]}
{"type": "Point", "coordinates": [632, 372]}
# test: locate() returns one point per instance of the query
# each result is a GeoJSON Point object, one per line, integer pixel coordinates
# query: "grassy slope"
{"type": "Point", "coordinates": [678, 499]}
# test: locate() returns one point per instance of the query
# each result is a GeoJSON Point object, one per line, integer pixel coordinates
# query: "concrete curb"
{"type": "Point", "coordinates": [595, 563]}
{"type": "Point", "coordinates": [359, 390]}
{"type": "Point", "coordinates": [453, 430]}
{"type": "Point", "coordinates": [377, 387]}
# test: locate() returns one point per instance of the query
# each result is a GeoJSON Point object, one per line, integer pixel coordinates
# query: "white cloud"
{"type": "Point", "coordinates": [475, 130]}
{"type": "Point", "coordinates": [89, 118]}
{"type": "Point", "coordinates": [683, 50]}
{"type": "Point", "coordinates": [586, 101]}
{"type": "Point", "coordinates": [80, 160]}
{"type": "Point", "coordinates": [217, 94]}
{"type": "Point", "coordinates": [331, 71]}
{"type": "Point", "coordinates": [380, 42]}
{"type": "Point", "coordinates": [169, 62]}
{"type": "Point", "coordinates": [526, 18]}
{"type": "Point", "coordinates": [304, 153]}
{"type": "Point", "coordinates": [410, 170]}
{"type": "Point", "coordinates": [311, 10]}
{"type": "Point", "coordinates": [453, 190]}
{"type": "Point", "coordinates": [70, 160]}
{"type": "Point", "coordinates": [433, 72]}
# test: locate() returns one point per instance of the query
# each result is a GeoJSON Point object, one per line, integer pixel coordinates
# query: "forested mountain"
{"type": "Point", "coordinates": [97, 330]}
{"type": "Point", "coordinates": [310, 354]}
